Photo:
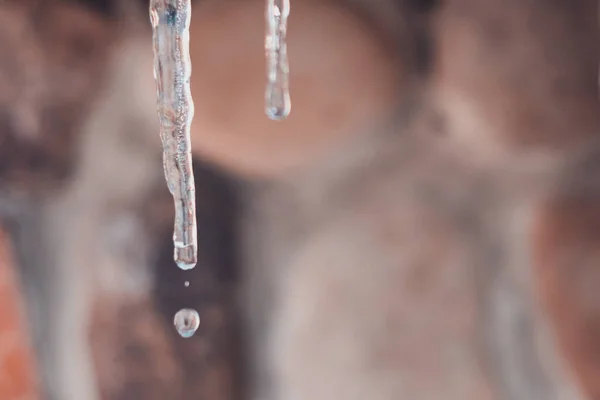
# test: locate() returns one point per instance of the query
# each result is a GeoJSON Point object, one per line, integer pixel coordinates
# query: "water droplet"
{"type": "Point", "coordinates": [186, 322]}
{"type": "Point", "coordinates": [185, 256]}
{"type": "Point", "coordinates": [277, 95]}
{"type": "Point", "coordinates": [187, 283]}
{"type": "Point", "coordinates": [172, 69]}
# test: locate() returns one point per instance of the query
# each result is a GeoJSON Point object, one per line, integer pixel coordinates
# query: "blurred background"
{"type": "Point", "coordinates": [88, 287]}
{"type": "Point", "coordinates": [18, 370]}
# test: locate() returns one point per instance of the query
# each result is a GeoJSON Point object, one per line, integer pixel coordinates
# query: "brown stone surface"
{"type": "Point", "coordinates": [567, 263]}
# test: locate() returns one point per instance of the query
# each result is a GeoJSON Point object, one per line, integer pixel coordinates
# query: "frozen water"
{"type": "Point", "coordinates": [277, 94]}
{"type": "Point", "coordinates": [172, 69]}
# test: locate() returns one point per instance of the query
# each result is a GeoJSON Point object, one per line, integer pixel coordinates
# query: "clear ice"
{"type": "Point", "coordinates": [172, 69]}
{"type": "Point", "coordinates": [277, 94]}
{"type": "Point", "coordinates": [186, 322]}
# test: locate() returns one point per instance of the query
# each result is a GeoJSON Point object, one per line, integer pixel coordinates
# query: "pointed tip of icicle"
{"type": "Point", "coordinates": [185, 256]}
{"type": "Point", "coordinates": [186, 265]}
{"type": "Point", "coordinates": [277, 113]}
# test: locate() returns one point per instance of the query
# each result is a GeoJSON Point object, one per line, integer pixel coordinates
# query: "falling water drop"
{"type": "Point", "coordinates": [186, 284]}
{"type": "Point", "coordinates": [172, 69]}
{"type": "Point", "coordinates": [186, 322]}
{"type": "Point", "coordinates": [277, 94]}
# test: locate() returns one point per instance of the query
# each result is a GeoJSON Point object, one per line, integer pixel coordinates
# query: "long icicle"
{"type": "Point", "coordinates": [172, 69]}
{"type": "Point", "coordinates": [277, 94]}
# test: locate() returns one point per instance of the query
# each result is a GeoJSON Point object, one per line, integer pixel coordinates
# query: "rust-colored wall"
{"type": "Point", "coordinates": [17, 378]}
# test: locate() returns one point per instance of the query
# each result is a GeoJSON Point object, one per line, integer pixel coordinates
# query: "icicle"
{"type": "Point", "coordinates": [277, 94]}
{"type": "Point", "coordinates": [172, 68]}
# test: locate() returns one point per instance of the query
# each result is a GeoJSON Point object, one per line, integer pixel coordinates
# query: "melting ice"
{"type": "Point", "coordinates": [277, 94]}
{"type": "Point", "coordinates": [172, 68]}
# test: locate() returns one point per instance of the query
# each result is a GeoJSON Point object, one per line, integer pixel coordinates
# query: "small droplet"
{"type": "Point", "coordinates": [185, 256]}
{"type": "Point", "coordinates": [187, 322]}
{"type": "Point", "coordinates": [187, 283]}
{"type": "Point", "coordinates": [277, 95]}
{"type": "Point", "coordinates": [278, 103]}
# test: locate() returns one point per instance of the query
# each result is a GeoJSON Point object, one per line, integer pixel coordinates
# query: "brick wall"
{"type": "Point", "coordinates": [17, 377]}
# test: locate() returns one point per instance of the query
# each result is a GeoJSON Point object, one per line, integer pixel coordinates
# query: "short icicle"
{"type": "Point", "coordinates": [277, 94]}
